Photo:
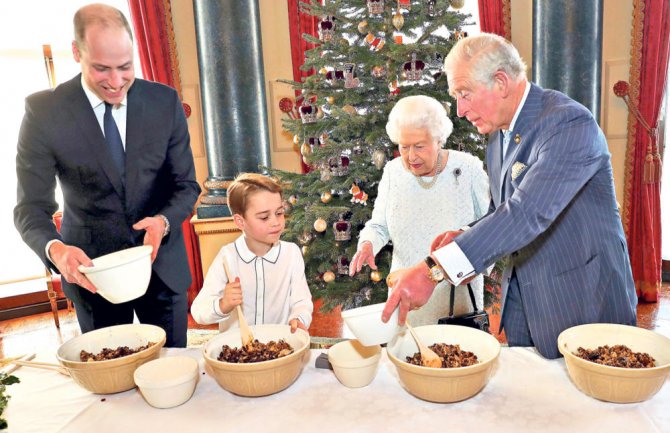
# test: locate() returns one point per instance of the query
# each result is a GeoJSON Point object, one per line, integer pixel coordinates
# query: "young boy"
{"type": "Point", "coordinates": [268, 274]}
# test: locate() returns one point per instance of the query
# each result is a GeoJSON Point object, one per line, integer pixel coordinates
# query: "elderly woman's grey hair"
{"type": "Point", "coordinates": [419, 112]}
{"type": "Point", "coordinates": [486, 54]}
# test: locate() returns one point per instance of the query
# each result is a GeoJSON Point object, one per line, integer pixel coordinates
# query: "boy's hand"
{"type": "Point", "coordinates": [295, 324]}
{"type": "Point", "coordinates": [232, 296]}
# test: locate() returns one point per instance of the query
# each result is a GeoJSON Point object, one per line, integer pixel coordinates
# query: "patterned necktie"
{"type": "Point", "coordinates": [505, 143]}
{"type": "Point", "coordinates": [114, 142]}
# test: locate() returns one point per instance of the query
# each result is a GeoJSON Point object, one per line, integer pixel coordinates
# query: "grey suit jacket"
{"type": "Point", "coordinates": [60, 137]}
{"type": "Point", "coordinates": [554, 213]}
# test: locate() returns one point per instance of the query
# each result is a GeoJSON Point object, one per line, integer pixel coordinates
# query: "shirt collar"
{"type": "Point", "coordinates": [93, 98]}
{"type": "Point", "coordinates": [247, 255]}
{"type": "Point", "coordinates": [526, 91]}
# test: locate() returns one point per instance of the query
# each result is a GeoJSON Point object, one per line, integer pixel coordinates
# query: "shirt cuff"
{"type": "Point", "coordinates": [454, 262]}
{"type": "Point", "coordinates": [46, 249]}
{"type": "Point", "coordinates": [217, 309]}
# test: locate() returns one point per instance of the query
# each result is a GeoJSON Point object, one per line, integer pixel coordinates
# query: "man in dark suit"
{"type": "Point", "coordinates": [553, 209]}
{"type": "Point", "coordinates": [120, 149]}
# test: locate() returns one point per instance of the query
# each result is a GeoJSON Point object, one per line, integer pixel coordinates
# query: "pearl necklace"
{"type": "Point", "coordinates": [428, 185]}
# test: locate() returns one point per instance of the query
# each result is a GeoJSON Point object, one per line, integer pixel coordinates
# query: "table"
{"type": "Point", "coordinates": [526, 394]}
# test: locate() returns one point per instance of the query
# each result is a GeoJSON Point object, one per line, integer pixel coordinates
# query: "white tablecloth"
{"type": "Point", "coordinates": [526, 394]}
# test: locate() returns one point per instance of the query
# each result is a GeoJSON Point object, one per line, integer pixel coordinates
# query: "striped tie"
{"type": "Point", "coordinates": [114, 142]}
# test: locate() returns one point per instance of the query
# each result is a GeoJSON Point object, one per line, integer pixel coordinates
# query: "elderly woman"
{"type": "Point", "coordinates": [426, 191]}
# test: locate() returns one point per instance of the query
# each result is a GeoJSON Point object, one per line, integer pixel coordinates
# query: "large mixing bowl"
{"type": "Point", "coordinates": [445, 385]}
{"type": "Point", "coordinates": [258, 378]}
{"type": "Point", "coordinates": [114, 375]}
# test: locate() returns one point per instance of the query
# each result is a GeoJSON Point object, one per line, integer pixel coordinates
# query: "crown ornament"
{"type": "Point", "coordinates": [309, 112]}
{"type": "Point", "coordinates": [413, 70]}
{"type": "Point", "coordinates": [326, 29]}
{"type": "Point", "coordinates": [342, 229]}
{"type": "Point", "coordinates": [375, 7]}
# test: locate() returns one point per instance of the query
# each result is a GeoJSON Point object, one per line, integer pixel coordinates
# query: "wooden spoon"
{"type": "Point", "coordinates": [245, 331]}
{"type": "Point", "coordinates": [44, 365]}
{"type": "Point", "coordinates": [428, 357]}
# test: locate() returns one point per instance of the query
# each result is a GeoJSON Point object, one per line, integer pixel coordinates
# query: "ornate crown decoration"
{"type": "Point", "coordinates": [375, 7]}
{"type": "Point", "coordinates": [342, 230]}
{"type": "Point", "coordinates": [326, 29]}
{"type": "Point", "coordinates": [414, 68]}
{"type": "Point", "coordinates": [343, 266]}
{"type": "Point", "coordinates": [308, 112]}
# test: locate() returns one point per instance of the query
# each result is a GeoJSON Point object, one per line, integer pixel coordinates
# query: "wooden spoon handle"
{"type": "Point", "coordinates": [245, 332]}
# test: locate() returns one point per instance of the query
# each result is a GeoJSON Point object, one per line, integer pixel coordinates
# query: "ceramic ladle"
{"type": "Point", "coordinates": [428, 357]}
{"type": "Point", "coordinates": [245, 332]}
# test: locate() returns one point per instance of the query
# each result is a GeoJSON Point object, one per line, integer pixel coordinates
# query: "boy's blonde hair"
{"type": "Point", "coordinates": [244, 186]}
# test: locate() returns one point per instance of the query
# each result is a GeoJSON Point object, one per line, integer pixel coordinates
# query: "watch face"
{"type": "Point", "coordinates": [436, 274]}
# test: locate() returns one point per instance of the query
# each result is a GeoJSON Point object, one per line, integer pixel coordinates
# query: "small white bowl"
{"type": "Point", "coordinates": [167, 382]}
{"type": "Point", "coordinates": [354, 365]}
{"type": "Point", "coordinates": [121, 276]}
{"type": "Point", "coordinates": [366, 324]}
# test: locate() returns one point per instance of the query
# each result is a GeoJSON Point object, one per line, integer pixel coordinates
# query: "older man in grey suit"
{"type": "Point", "coordinates": [553, 209]}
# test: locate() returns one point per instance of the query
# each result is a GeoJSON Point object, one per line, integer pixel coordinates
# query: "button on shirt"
{"type": "Point", "coordinates": [274, 287]}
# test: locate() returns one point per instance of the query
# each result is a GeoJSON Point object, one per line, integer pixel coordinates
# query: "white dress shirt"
{"type": "Point", "coordinates": [274, 287]}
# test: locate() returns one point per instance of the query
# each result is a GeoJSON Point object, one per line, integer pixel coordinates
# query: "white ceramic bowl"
{"type": "Point", "coordinates": [366, 324]}
{"type": "Point", "coordinates": [354, 365]}
{"type": "Point", "coordinates": [121, 276]}
{"type": "Point", "coordinates": [259, 378]}
{"type": "Point", "coordinates": [618, 385]}
{"type": "Point", "coordinates": [445, 385]}
{"type": "Point", "coordinates": [167, 382]}
{"type": "Point", "coordinates": [114, 375]}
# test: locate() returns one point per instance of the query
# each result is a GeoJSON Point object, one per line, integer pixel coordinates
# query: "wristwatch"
{"type": "Point", "coordinates": [435, 272]}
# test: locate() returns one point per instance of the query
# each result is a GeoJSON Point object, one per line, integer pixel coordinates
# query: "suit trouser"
{"type": "Point", "coordinates": [514, 319]}
{"type": "Point", "coordinates": [160, 306]}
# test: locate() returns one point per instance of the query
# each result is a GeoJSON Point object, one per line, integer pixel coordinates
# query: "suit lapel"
{"type": "Point", "coordinates": [94, 140]}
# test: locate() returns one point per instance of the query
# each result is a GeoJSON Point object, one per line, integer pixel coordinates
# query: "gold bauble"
{"type": "Point", "coordinates": [293, 199]}
{"type": "Point", "coordinates": [398, 21]}
{"type": "Point", "coordinates": [296, 139]}
{"type": "Point", "coordinates": [363, 27]}
{"type": "Point", "coordinates": [344, 42]}
{"type": "Point", "coordinates": [330, 99]}
{"type": "Point", "coordinates": [323, 71]}
{"type": "Point", "coordinates": [326, 197]}
{"type": "Point", "coordinates": [304, 250]}
{"type": "Point", "coordinates": [376, 276]}
{"type": "Point", "coordinates": [319, 113]}
{"type": "Point", "coordinates": [349, 109]}
{"type": "Point", "coordinates": [328, 277]}
{"type": "Point", "coordinates": [305, 149]}
{"type": "Point", "coordinates": [320, 225]}
{"type": "Point", "coordinates": [457, 4]}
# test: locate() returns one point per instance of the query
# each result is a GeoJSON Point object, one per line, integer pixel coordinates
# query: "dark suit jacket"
{"type": "Point", "coordinates": [554, 213]}
{"type": "Point", "coordinates": [60, 137]}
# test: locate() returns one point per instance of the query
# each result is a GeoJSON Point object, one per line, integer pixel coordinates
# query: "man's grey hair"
{"type": "Point", "coordinates": [486, 54]}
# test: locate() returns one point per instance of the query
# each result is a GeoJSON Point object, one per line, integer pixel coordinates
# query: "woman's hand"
{"type": "Point", "coordinates": [364, 256]}
{"type": "Point", "coordinates": [232, 296]}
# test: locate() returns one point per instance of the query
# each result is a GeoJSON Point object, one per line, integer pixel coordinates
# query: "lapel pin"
{"type": "Point", "coordinates": [517, 139]}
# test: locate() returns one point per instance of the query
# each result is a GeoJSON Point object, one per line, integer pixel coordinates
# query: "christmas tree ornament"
{"type": "Point", "coordinates": [319, 113]}
{"type": "Point", "coordinates": [376, 276]}
{"type": "Point", "coordinates": [308, 112]}
{"type": "Point", "coordinates": [457, 4]}
{"type": "Point", "coordinates": [330, 100]}
{"type": "Point", "coordinates": [320, 225]}
{"type": "Point", "coordinates": [288, 207]}
{"type": "Point", "coordinates": [350, 110]}
{"type": "Point", "coordinates": [326, 197]}
{"type": "Point", "coordinates": [376, 42]}
{"type": "Point", "coordinates": [339, 166]}
{"type": "Point", "coordinates": [375, 7]}
{"type": "Point", "coordinates": [405, 4]}
{"type": "Point", "coordinates": [363, 27]}
{"type": "Point", "coordinates": [413, 70]}
{"type": "Point", "coordinates": [293, 199]}
{"type": "Point", "coordinates": [378, 72]}
{"type": "Point", "coordinates": [343, 265]}
{"type": "Point", "coordinates": [394, 90]}
{"type": "Point", "coordinates": [323, 71]}
{"type": "Point", "coordinates": [296, 139]}
{"type": "Point", "coordinates": [366, 293]}
{"type": "Point", "coordinates": [328, 277]}
{"type": "Point", "coordinates": [358, 195]}
{"type": "Point", "coordinates": [350, 81]}
{"type": "Point", "coordinates": [379, 158]}
{"type": "Point", "coordinates": [305, 238]}
{"type": "Point", "coordinates": [342, 229]}
{"type": "Point", "coordinates": [332, 77]}
{"type": "Point", "coordinates": [398, 21]}
{"type": "Point", "coordinates": [326, 29]}
{"type": "Point", "coordinates": [397, 39]}
{"type": "Point", "coordinates": [323, 139]}
{"type": "Point", "coordinates": [430, 8]}
{"type": "Point", "coordinates": [305, 149]}
{"type": "Point", "coordinates": [326, 175]}
{"type": "Point", "coordinates": [304, 250]}
{"type": "Point", "coordinates": [344, 42]}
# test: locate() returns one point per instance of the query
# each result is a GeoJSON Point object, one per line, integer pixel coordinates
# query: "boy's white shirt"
{"type": "Point", "coordinates": [274, 287]}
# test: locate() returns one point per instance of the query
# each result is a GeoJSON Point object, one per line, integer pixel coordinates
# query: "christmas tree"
{"type": "Point", "coordinates": [367, 55]}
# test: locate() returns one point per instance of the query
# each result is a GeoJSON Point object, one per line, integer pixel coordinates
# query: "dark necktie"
{"type": "Point", "coordinates": [114, 142]}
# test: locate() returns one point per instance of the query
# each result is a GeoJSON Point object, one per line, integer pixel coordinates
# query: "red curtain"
{"type": "Point", "coordinates": [154, 34]}
{"type": "Point", "coordinates": [495, 17]}
{"type": "Point", "coordinates": [300, 23]}
{"type": "Point", "coordinates": [642, 215]}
